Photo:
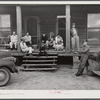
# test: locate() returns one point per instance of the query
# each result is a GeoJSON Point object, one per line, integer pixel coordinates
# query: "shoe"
{"type": "Point", "coordinates": [77, 74]}
{"type": "Point", "coordinates": [11, 49]}
{"type": "Point", "coordinates": [30, 54]}
{"type": "Point", "coordinates": [15, 48]}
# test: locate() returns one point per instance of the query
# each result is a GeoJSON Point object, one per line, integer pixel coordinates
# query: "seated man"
{"type": "Point", "coordinates": [50, 42]}
{"type": "Point", "coordinates": [44, 39]}
{"type": "Point", "coordinates": [24, 47]}
{"type": "Point", "coordinates": [27, 38]}
{"type": "Point", "coordinates": [43, 49]}
{"type": "Point", "coordinates": [58, 44]}
{"type": "Point", "coordinates": [13, 41]}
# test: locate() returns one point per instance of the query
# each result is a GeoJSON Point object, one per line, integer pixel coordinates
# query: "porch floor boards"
{"type": "Point", "coordinates": [49, 52]}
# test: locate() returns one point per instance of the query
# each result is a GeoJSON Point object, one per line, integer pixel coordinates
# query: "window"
{"type": "Point", "coordinates": [93, 28]}
{"type": "Point", "coordinates": [5, 26]}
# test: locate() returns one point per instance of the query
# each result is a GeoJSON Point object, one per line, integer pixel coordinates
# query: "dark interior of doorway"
{"type": "Point", "coordinates": [62, 29]}
{"type": "Point", "coordinates": [32, 29]}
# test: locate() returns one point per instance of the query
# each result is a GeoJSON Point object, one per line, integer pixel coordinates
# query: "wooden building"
{"type": "Point", "coordinates": [37, 19]}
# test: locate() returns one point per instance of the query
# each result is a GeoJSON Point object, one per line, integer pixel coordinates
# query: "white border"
{"type": "Point", "coordinates": [50, 2]}
{"type": "Point", "coordinates": [49, 94]}
{"type": "Point", "coordinates": [29, 94]}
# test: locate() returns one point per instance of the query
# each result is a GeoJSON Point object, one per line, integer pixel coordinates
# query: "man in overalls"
{"type": "Point", "coordinates": [84, 59]}
{"type": "Point", "coordinates": [74, 38]}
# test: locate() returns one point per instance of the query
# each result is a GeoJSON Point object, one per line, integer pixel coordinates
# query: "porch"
{"type": "Point", "coordinates": [38, 19]}
{"type": "Point", "coordinates": [62, 59]}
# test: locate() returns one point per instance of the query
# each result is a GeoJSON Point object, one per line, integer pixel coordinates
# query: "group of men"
{"type": "Point", "coordinates": [84, 51]}
{"type": "Point", "coordinates": [53, 42]}
{"type": "Point", "coordinates": [87, 59]}
{"type": "Point", "coordinates": [25, 43]}
{"type": "Point", "coordinates": [57, 43]}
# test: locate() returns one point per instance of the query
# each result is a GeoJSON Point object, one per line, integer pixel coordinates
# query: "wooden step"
{"type": "Point", "coordinates": [38, 69]}
{"type": "Point", "coordinates": [40, 57]}
{"type": "Point", "coordinates": [47, 53]}
{"type": "Point", "coordinates": [39, 61]}
{"type": "Point", "coordinates": [29, 65]}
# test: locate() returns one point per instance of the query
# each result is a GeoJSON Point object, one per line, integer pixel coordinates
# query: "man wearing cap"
{"type": "Point", "coordinates": [84, 59]}
{"type": "Point", "coordinates": [24, 47]}
{"type": "Point", "coordinates": [75, 38]}
{"type": "Point", "coordinates": [58, 45]}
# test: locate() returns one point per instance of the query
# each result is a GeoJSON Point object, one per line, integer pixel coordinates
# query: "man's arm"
{"type": "Point", "coordinates": [11, 38]}
{"type": "Point", "coordinates": [85, 50]}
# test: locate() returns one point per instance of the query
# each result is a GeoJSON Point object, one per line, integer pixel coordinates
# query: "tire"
{"type": "Point", "coordinates": [5, 76]}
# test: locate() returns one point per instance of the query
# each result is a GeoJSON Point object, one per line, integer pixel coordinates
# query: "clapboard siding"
{"type": "Point", "coordinates": [46, 14]}
{"type": "Point", "coordinates": [48, 25]}
{"type": "Point", "coordinates": [78, 16]}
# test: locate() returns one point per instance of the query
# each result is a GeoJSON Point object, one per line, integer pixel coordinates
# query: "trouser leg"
{"type": "Point", "coordinates": [47, 44]}
{"type": "Point", "coordinates": [73, 43]}
{"type": "Point", "coordinates": [77, 42]}
{"type": "Point", "coordinates": [82, 65]}
{"type": "Point", "coordinates": [11, 45]}
{"type": "Point", "coordinates": [15, 44]}
{"type": "Point", "coordinates": [30, 50]}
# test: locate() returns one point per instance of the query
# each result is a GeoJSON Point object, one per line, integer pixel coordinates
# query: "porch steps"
{"type": "Point", "coordinates": [35, 62]}
{"type": "Point", "coordinates": [39, 69]}
{"type": "Point", "coordinates": [39, 60]}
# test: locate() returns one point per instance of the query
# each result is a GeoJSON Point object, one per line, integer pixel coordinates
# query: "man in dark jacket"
{"type": "Point", "coordinates": [84, 59]}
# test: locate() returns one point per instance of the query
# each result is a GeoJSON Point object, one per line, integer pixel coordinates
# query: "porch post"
{"type": "Point", "coordinates": [19, 24]}
{"type": "Point", "coordinates": [67, 28]}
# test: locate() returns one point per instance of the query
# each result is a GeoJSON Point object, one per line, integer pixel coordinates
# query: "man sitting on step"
{"type": "Point", "coordinates": [25, 48]}
{"type": "Point", "coordinates": [42, 49]}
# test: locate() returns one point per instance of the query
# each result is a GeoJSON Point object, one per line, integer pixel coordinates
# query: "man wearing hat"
{"type": "Point", "coordinates": [74, 38]}
{"type": "Point", "coordinates": [24, 47]}
{"type": "Point", "coordinates": [84, 58]}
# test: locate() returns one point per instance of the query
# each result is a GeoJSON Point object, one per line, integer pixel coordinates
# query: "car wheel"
{"type": "Point", "coordinates": [4, 76]}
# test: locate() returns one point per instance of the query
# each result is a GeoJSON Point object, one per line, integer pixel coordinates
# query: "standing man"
{"type": "Point", "coordinates": [13, 41]}
{"type": "Point", "coordinates": [27, 38]}
{"type": "Point", "coordinates": [84, 59]}
{"type": "Point", "coordinates": [75, 38]}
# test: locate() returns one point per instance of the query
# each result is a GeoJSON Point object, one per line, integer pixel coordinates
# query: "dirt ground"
{"type": "Point", "coordinates": [62, 79]}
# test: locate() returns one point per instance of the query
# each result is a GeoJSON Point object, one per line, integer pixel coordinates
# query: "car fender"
{"type": "Point", "coordinates": [8, 64]}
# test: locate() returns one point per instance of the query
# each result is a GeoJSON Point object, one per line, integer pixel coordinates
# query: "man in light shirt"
{"type": "Point", "coordinates": [27, 38]}
{"type": "Point", "coordinates": [13, 41]}
{"type": "Point", "coordinates": [75, 38]}
{"type": "Point", "coordinates": [24, 47]}
{"type": "Point", "coordinates": [58, 44]}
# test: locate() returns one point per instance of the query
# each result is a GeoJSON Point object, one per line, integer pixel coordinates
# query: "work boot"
{"type": "Point", "coordinates": [78, 74]}
{"type": "Point", "coordinates": [80, 71]}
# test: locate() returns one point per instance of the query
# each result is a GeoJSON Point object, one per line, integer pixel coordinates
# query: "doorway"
{"type": "Point", "coordinates": [32, 26]}
{"type": "Point", "coordinates": [61, 28]}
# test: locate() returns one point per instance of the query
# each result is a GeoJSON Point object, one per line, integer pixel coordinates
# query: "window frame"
{"type": "Point", "coordinates": [93, 27]}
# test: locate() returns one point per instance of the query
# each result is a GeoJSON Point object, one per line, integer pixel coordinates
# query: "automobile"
{"type": "Point", "coordinates": [7, 66]}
